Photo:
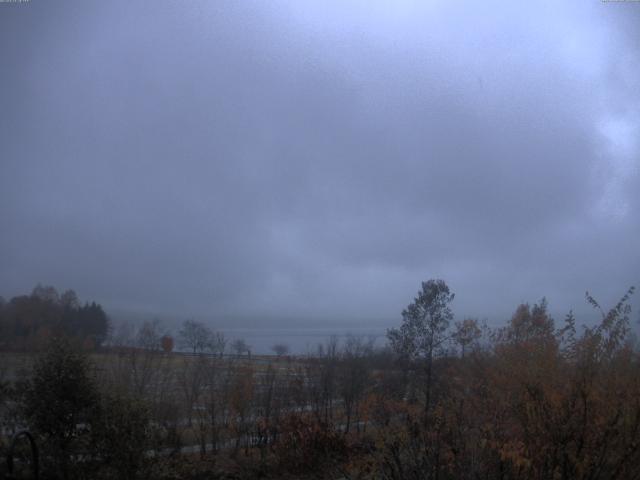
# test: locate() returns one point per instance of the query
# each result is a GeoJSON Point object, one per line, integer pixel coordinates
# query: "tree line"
{"type": "Point", "coordinates": [28, 322]}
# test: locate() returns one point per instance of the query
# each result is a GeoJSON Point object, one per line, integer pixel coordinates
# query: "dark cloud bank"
{"type": "Point", "coordinates": [264, 163]}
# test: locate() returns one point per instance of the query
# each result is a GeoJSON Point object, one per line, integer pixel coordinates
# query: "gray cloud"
{"type": "Point", "coordinates": [283, 159]}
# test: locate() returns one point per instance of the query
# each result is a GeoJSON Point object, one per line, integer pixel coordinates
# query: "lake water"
{"type": "Point", "coordinates": [299, 340]}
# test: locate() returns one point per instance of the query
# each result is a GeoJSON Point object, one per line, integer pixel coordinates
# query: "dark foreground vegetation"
{"type": "Point", "coordinates": [447, 400]}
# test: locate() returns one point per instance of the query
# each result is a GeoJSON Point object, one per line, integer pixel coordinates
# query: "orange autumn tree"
{"type": "Point", "coordinates": [572, 399]}
{"type": "Point", "coordinates": [538, 401]}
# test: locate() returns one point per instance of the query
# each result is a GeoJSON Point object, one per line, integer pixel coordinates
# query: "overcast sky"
{"type": "Point", "coordinates": [317, 160]}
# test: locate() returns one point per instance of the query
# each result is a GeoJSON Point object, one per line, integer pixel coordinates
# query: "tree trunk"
{"type": "Point", "coordinates": [427, 401]}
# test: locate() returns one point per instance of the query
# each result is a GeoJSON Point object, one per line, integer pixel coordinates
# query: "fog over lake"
{"type": "Point", "coordinates": [301, 341]}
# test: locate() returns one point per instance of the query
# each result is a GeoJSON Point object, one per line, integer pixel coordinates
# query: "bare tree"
{"type": "Point", "coordinates": [218, 343]}
{"type": "Point", "coordinates": [241, 403]}
{"type": "Point", "coordinates": [240, 347]}
{"type": "Point", "coordinates": [195, 336]}
{"type": "Point", "coordinates": [268, 408]}
{"type": "Point", "coordinates": [191, 377]}
{"type": "Point", "coordinates": [321, 372]}
{"type": "Point", "coordinates": [353, 377]}
{"type": "Point", "coordinates": [280, 349]}
{"type": "Point", "coordinates": [141, 370]}
{"type": "Point", "coordinates": [213, 415]}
